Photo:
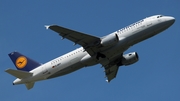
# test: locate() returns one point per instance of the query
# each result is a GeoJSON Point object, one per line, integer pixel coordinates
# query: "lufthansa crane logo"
{"type": "Point", "coordinates": [21, 62]}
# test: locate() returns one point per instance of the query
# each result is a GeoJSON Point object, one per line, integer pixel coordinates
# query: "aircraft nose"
{"type": "Point", "coordinates": [170, 19]}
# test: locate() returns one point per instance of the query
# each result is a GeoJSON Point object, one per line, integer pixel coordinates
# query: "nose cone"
{"type": "Point", "coordinates": [170, 20]}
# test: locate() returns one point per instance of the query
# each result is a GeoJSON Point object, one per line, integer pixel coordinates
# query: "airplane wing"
{"type": "Point", "coordinates": [77, 37]}
{"type": "Point", "coordinates": [111, 72]}
{"type": "Point", "coordinates": [111, 66]}
{"type": "Point", "coordinates": [88, 42]}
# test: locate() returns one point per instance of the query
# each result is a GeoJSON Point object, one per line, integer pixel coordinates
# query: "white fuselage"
{"type": "Point", "coordinates": [79, 58]}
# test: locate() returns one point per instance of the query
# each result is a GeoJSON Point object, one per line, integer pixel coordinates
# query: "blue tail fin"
{"type": "Point", "coordinates": [22, 62]}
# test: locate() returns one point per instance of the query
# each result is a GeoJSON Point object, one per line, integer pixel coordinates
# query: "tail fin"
{"type": "Point", "coordinates": [29, 85]}
{"type": "Point", "coordinates": [22, 62]}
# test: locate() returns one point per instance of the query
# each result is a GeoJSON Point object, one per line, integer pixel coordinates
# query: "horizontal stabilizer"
{"type": "Point", "coordinates": [29, 85]}
{"type": "Point", "coordinates": [18, 73]}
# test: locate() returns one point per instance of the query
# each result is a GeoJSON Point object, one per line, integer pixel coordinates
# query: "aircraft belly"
{"type": "Point", "coordinates": [66, 70]}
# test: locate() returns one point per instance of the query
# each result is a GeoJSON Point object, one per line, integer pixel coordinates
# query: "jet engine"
{"type": "Point", "coordinates": [109, 40]}
{"type": "Point", "coordinates": [129, 58]}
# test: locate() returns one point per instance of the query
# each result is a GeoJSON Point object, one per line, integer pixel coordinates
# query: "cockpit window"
{"type": "Point", "coordinates": [159, 16]}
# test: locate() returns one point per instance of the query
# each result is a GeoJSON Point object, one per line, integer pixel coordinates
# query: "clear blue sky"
{"type": "Point", "coordinates": [155, 77]}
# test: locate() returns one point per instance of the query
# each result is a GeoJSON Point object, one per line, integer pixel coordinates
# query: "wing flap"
{"type": "Point", "coordinates": [18, 73]}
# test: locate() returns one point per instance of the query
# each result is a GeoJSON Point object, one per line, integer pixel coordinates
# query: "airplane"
{"type": "Point", "coordinates": [107, 51]}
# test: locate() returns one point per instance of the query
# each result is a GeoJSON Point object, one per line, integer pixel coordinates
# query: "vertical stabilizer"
{"type": "Point", "coordinates": [29, 85]}
{"type": "Point", "coordinates": [22, 62]}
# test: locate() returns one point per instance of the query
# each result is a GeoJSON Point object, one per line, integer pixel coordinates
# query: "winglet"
{"type": "Point", "coordinates": [47, 26]}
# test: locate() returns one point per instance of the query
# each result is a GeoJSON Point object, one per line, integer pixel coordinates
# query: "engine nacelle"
{"type": "Point", "coordinates": [111, 39]}
{"type": "Point", "coordinates": [130, 58]}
